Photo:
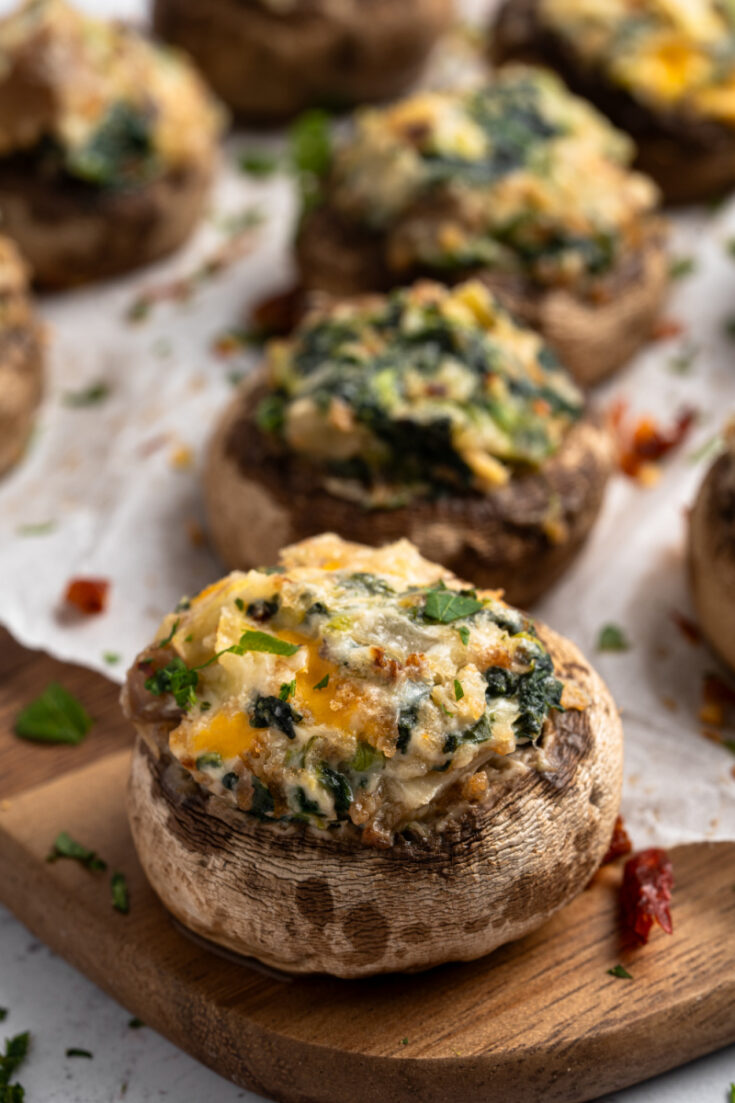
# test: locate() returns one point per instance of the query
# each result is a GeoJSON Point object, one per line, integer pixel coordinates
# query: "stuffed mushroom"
{"type": "Point", "coordinates": [354, 763]}
{"type": "Point", "coordinates": [21, 356]}
{"type": "Point", "coordinates": [516, 181]}
{"type": "Point", "coordinates": [428, 413]}
{"type": "Point", "coordinates": [107, 144]}
{"type": "Point", "coordinates": [665, 72]}
{"type": "Point", "coordinates": [712, 552]}
{"type": "Point", "coordinates": [269, 59]}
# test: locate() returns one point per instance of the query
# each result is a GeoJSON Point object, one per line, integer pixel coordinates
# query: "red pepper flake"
{"type": "Point", "coordinates": [279, 314]}
{"type": "Point", "coordinates": [620, 843]}
{"type": "Point", "coordinates": [645, 893]}
{"type": "Point", "coordinates": [666, 328]}
{"type": "Point", "coordinates": [689, 630]}
{"type": "Point", "coordinates": [88, 595]}
{"type": "Point", "coordinates": [641, 443]}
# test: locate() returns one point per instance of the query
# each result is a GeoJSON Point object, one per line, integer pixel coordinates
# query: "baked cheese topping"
{"type": "Point", "coordinates": [111, 107]}
{"type": "Point", "coordinates": [669, 53]}
{"type": "Point", "coordinates": [349, 684]}
{"type": "Point", "coordinates": [517, 174]}
{"type": "Point", "coordinates": [417, 393]}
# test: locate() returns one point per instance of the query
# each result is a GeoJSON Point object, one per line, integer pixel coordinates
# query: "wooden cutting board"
{"type": "Point", "coordinates": [538, 1020]}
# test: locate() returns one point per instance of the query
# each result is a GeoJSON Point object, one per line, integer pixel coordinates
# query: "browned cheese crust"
{"type": "Point", "coordinates": [259, 499]}
{"type": "Point", "coordinates": [712, 556]}
{"type": "Point", "coordinates": [592, 337]}
{"type": "Point", "coordinates": [72, 234]}
{"type": "Point", "coordinates": [21, 358]}
{"type": "Point", "coordinates": [309, 901]}
{"type": "Point", "coordinates": [691, 159]}
{"type": "Point", "coordinates": [268, 65]}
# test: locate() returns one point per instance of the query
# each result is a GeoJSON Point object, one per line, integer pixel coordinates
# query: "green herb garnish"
{"type": "Point", "coordinates": [41, 528]}
{"type": "Point", "coordinates": [66, 847]}
{"type": "Point", "coordinates": [322, 683]}
{"type": "Point", "coordinates": [3, 1014]}
{"type": "Point", "coordinates": [167, 640]}
{"type": "Point", "coordinates": [681, 267]}
{"type": "Point", "coordinates": [458, 691]}
{"type": "Point", "coordinates": [12, 1057]}
{"type": "Point", "coordinates": [444, 606]}
{"type": "Point", "coordinates": [135, 1023]}
{"type": "Point", "coordinates": [111, 657]}
{"type": "Point", "coordinates": [120, 894]}
{"type": "Point", "coordinates": [310, 154]}
{"type": "Point", "coordinates": [258, 163]}
{"type": "Point", "coordinates": [619, 971]}
{"type": "Point", "coordinates": [612, 638]}
{"type": "Point", "coordinates": [464, 634]}
{"type": "Point", "coordinates": [73, 1052]}
{"type": "Point", "coordinates": [87, 396]}
{"type": "Point", "coordinates": [210, 760]}
{"type": "Point", "coordinates": [287, 690]}
{"type": "Point", "coordinates": [56, 716]}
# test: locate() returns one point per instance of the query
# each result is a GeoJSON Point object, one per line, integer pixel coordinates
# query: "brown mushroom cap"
{"type": "Point", "coordinates": [519, 538]}
{"type": "Point", "coordinates": [306, 901]}
{"type": "Point", "coordinates": [72, 233]}
{"type": "Point", "coordinates": [21, 358]}
{"type": "Point", "coordinates": [268, 65]}
{"type": "Point", "coordinates": [712, 556]}
{"type": "Point", "coordinates": [690, 158]}
{"type": "Point", "coordinates": [593, 338]}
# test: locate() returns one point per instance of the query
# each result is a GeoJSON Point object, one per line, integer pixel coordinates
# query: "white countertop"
{"type": "Point", "coordinates": [63, 1010]}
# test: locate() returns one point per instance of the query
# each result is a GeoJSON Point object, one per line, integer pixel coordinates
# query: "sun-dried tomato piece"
{"type": "Point", "coordinates": [644, 442]}
{"type": "Point", "coordinates": [88, 595]}
{"type": "Point", "coordinates": [620, 843]}
{"type": "Point", "coordinates": [645, 893]}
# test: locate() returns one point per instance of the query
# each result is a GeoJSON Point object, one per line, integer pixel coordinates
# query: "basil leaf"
{"type": "Point", "coordinates": [56, 716]}
{"type": "Point", "coordinates": [66, 847]}
{"type": "Point", "coordinates": [444, 606]}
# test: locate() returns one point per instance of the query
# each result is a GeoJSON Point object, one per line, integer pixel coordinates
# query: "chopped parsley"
{"type": "Point", "coordinates": [258, 163]}
{"type": "Point", "coordinates": [87, 396]}
{"type": "Point", "coordinates": [310, 154]}
{"type": "Point", "coordinates": [464, 634]}
{"type": "Point", "coordinates": [181, 681]}
{"type": "Point", "coordinates": [111, 657]}
{"type": "Point", "coordinates": [74, 1052]}
{"type": "Point", "coordinates": [681, 267]}
{"type": "Point", "coordinates": [55, 716]}
{"type": "Point", "coordinates": [287, 690]}
{"type": "Point", "coordinates": [135, 1023]}
{"type": "Point", "coordinates": [458, 691]}
{"type": "Point", "coordinates": [120, 893]}
{"type": "Point", "coordinates": [322, 683]}
{"type": "Point", "coordinates": [12, 1057]}
{"type": "Point", "coordinates": [66, 847]}
{"type": "Point", "coordinates": [442, 606]}
{"type": "Point", "coordinates": [167, 639]}
{"type": "Point", "coordinates": [619, 971]}
{"type": "Point", "coordinates": [39, 528]}
{"type": "Point", "coordinates": [611, 637]}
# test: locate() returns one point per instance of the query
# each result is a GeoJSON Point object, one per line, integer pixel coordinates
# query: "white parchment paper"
{"type": "Point", "coordinates": [113, 489]}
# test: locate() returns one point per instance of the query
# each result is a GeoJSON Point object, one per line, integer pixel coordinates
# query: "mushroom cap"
{"type": "Point", "coordinates": [711, 554]}
{"type": "Point", "coordinates": [310, 901]}
{"type": "Point", "coordinates": [269, 64]}
{"type": "Point", "coordinates": [258, 501]}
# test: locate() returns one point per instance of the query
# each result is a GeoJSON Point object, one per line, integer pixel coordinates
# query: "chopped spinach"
{"type": "Point", "coordinates": [308, 807]}
{"type": "Point", "coordinates": [230, 780]}
{"type": "Point", "coordinates": [262, 804]}
{"type": "Point", "coordinates": [370, 583]}
{"type": "Point", "coordinates": [478, 733]}
{"type": "Point", "coordinates": [209, 761]}
{"type": "Point", "coordinates": [407, 717]}
{"type": "Point", "coordinates": [338, 785]}
{"type": "Point", "coordinates": [272, 712]}
{"type": "Point", "coordinates": [263, 609]}
{"type": "Point", "coordinates": [119, 154]}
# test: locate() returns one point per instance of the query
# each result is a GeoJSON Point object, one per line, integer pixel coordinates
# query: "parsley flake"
{"type": "Point", "coordinates": [120, 894]}
{"type": "Point", "coordinates": [681, 267]}
{"type": "Point", "coordinates": [13, 1056]}
{"type": "Point", "coordinates": [444, 606]}
{"type": "Point", "coordinates": [322, 683]}
{"type": "Point", "coordinates": [287, 690]}
{"type": "Point", "coordinates": [619, 971]}
{"type": "Point", "coordinates": [66, 847]}
{"type": "Point", "coordinates": [258, 163]}
{"type": "Point", "coordinates": [56, 716]}
{"type": "Point", "coordinates": [612, 638]}
{"type": "Point", "coordinates": [170, 636]}
{"type": "Point", "coordinates": [111, 657]}
{"type": "Point", "coordinates": [464, 634]}
{"type": "Point", "coordinates": [87, 396]}
{"type": "Point", "coordinates": [458, 691]}
{"type": "Point", "coordinates": [73, 1052]}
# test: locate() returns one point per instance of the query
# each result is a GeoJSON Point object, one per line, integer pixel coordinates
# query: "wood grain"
{"type": "Point", "coordinates": [540, 1019]}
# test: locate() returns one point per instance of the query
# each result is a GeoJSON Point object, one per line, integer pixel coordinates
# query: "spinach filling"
{"type": "Point", "coordinates": [538, 691]}
{"type": "Point", "coordinates": [425, 395]}
{"type": "Point", "coordinates": [272, 712]}
{"type": "Point", "coordinates": [119, 155]}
